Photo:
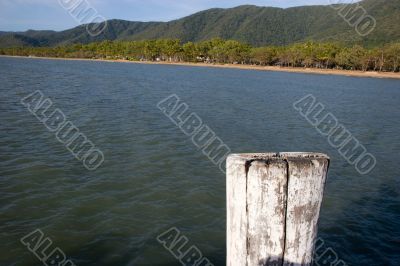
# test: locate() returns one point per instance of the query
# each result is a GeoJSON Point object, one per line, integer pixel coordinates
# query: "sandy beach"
{"type": "Point", "coordinates": [351, 73]}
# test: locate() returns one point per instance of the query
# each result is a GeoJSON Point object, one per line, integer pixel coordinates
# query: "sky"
{"type": "Point", "coordinates": [21, 15]}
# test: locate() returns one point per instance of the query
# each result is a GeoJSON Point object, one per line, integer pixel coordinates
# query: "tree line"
{"type": "Point", "coordinates": [307, 55]}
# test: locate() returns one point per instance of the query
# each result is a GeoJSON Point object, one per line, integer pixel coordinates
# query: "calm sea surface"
{"type": "Point", "coordinates": [154, 178]}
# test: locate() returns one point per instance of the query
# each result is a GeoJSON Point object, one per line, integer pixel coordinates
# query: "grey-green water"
{"type": "Point", "coordinates": [154, 178]}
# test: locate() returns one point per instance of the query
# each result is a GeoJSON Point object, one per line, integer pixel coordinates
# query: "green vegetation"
{"type": "Point", "coordinates": [307, 54]}
{"type": "Point", "coordinates": [257, 26]}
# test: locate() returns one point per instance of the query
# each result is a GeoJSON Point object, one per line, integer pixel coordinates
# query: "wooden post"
{"type": "Point", "coordinates": [273, 204]}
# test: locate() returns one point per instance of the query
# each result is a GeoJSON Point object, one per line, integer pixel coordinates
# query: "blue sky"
{"type": "Point", "coordinates": [18, 15]}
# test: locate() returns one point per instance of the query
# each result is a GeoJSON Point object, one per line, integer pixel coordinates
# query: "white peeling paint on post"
{"type": "Point", "coordinates": [273, 203]}
{"type": "Point", "coordinates": [266, 197]}
{"type": "Point", "coordinates": [236, 211]}
{"type": "Point", "coordinates": [305, 192]}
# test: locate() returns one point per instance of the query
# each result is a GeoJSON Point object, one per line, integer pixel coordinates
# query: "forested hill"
{"type": "Point", "coordinates": [254, 25]}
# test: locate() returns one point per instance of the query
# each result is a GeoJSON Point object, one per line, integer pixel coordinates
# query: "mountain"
{"type": "Point", "coordinates": [255, 25]}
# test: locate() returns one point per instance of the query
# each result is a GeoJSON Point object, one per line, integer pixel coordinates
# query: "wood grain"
{"type": "Point", "coordinates": [273, 204]}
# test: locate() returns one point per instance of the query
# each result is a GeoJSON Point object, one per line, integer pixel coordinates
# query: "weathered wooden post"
{"type": "Point", "coordinates": [273, 204]}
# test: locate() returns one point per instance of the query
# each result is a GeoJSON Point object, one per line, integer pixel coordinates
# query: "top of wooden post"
{"type": "Point", "coordinates": [273, 205]}
{"type": "Point", "coordinates": [246, 157]}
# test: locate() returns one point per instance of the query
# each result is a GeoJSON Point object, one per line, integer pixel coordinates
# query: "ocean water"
{"type": "Point", "coordinates": [154, 178]}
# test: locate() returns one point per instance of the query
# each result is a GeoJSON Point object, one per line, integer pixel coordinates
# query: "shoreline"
{"type": "Point", "coordinates": [337, 72]}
